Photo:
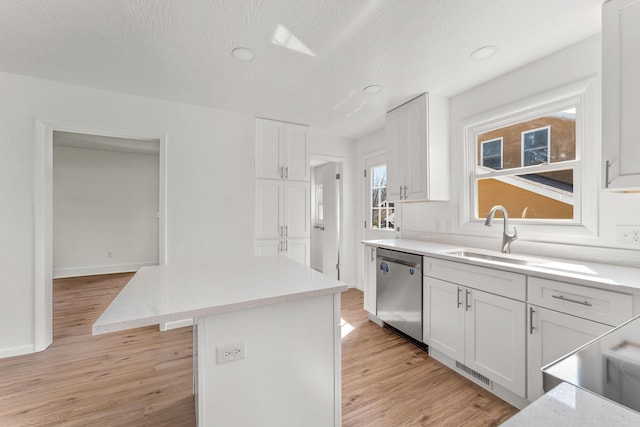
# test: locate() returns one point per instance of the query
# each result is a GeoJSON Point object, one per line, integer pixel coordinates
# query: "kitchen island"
{"type": "Point", "coordinates": [267, 344]}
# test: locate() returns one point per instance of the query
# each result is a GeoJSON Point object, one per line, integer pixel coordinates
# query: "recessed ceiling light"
{"type": "Point", "coordinates": [242, 54]}
{"type": "Point", "coordinates": [484, 52]}
{"type": "Point", "coordinates": [372, 89]}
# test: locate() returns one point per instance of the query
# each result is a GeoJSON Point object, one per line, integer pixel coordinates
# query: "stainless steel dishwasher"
{"type": "Point", "coordinates": [399, 291]}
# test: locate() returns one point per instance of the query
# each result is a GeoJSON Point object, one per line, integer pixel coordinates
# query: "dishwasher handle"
{"type": "Point", "coordinates": [417, 266]}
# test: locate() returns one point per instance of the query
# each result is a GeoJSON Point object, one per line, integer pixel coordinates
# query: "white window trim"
{"type": "Point", "coordinates": [522, 134]}
{"type": "Point", "coordinates": [501, 150]}
{"type": "Point", "coordinates": [586, 94]}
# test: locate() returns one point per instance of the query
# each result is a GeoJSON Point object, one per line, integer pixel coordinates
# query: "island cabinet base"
{"type": "Point", "coordinates": [291, 371]}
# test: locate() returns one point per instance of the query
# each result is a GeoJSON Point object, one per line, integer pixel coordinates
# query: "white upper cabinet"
{"type": "Point", "coordinates": [281, 150]}
{"type": "Point", "coordinates": [296, 160]}
{"type": "Point", "coordinates": [620, 93]}
{"type": "Point", "coordinates": [418, 150]}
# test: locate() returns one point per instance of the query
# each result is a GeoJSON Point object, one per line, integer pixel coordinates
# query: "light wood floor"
{"type": "Point", "coordinates": [144, 377]}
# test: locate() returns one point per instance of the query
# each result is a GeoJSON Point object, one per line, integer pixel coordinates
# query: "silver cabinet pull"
{"type": "Point", "coordinates": [401, 192]}
{"type": "Point", "coordinates": [466, 299]}
{"type": "Point", "coordinates": [281, 171]}
{"type": "Point", "coordinates": [563, 298]}
{"type": "Point", "coordinates": [286, 231]}
{"type": "Point", "coordinates": [405, 192]}
{"type": "Point", "coordinates": [373, 254]}
{"type": "Point", "coordinates": [531, 327]}
{"type": "Point", "coordinates": [607, 167]}
{"type": "Point", "coordinates": [280, 246]}
{"type": "Point", "coordinates": [286, 246]}
{"type": "Point", "coordinates": [281, 230]}
{"type": "Point", "coordinates": [286, 172]}
{"type": "Point", "coordinates": [459, 292]}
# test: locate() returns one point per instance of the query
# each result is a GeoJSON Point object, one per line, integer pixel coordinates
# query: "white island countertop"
{"type": "Point", "coordinates": [179, 291]}
{"type": "Point", "coordinates": [570, 406]}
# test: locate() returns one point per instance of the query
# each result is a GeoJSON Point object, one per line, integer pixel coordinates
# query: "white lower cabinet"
{"type": "Point", "coordinates": [481, 330]}
{"type": "Point", "coordinates": [552, 335]}
{"type": "Point", "coordinates": [370, 271]}
{"type": "Point", "coordinates": [443, 322]}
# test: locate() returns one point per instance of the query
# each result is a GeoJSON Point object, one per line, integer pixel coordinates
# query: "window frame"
{"type": "Point", "coordinates": [482, 143]}
{"type": "Point", "coordinates": [522, 150]}
{"type": "Point", "coordinates": [585, 96]}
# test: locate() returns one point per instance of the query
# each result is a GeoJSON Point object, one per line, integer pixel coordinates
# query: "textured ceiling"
{"type": "Point", "coordinates": [312, 57]}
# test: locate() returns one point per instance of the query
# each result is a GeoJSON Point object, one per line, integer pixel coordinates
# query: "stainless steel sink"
{"type": "Point", "coordinates": [509, 259]}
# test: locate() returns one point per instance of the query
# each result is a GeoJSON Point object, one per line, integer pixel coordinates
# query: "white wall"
{"type": "Point", "coordinates": [104, 211]}
{"type": "Point", "coordinates": [210, 207]}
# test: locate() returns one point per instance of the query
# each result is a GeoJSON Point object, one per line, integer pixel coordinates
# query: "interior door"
{"type": "Point", "coordinates": [331, 220]}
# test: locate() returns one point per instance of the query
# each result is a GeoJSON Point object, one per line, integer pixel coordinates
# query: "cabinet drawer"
{"type": "Point", "coordinates": [611, 308]}
{"type": "Point", "coordinates": [505, 283]}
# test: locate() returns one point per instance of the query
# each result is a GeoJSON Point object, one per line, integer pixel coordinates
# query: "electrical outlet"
{"type": "Point", "coordinates": [628, 235]}
{"type": "Point", "coordinates": [230, 352]}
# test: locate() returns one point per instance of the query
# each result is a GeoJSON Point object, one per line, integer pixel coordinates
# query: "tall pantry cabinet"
{"type": "Point", "coordinates": [282, 186]}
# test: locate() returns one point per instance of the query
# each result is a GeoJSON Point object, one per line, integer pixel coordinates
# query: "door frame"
{"type": "Point", "coordinates": [340, 162]}
{"type": "Point", "coordinates": [43, 213]}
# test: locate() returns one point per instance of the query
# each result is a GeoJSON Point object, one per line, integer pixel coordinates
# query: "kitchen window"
{"type": "Point", "coordinates": [528, 162]}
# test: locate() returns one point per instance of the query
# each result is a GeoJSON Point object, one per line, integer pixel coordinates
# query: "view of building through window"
{"type": "Point", "coordinates": [528, 167]}
{"type": "Point", "coordinates": [382, 212]}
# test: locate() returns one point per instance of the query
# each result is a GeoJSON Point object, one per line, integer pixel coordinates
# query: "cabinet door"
{"type": "Point", "coordinates": [495, 338]}
{"type": "Point", "coordinates": [551, 336]}
{"type": "Point", "coordinates": [443, 317]}
{"type": "Point", "coordinates": [269, 212]}
{"type": "Point", "coordinates": [396, 133]}
{"type": "Point", "coordinates": [269, 149]}
{"type": "Point", "coordinates": [298, 250]}
{"type": "Point", "coordinates": [297, 218]}
{"type": "Point", "coordinates": [271, 247]}
{"type": "Point", "coordinates": [415, 174]}
{"type": "Point", "coordinates": [296, 156]}
{"type": "Point", "coordinates": [370, 279]}
{"type": "Point", "coordinates": [621, 92]}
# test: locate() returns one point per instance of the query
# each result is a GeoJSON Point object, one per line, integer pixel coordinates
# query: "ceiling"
{"type": "Point", "coordinates": [312, 57]}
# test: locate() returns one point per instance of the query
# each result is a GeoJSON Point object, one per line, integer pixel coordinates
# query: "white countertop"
{"type": "Point", "coordinates": [569, 406]}
{"type": "Point", "coordinates": [179, 291]}
{"type": "Point", "coordinates": [606, 276]}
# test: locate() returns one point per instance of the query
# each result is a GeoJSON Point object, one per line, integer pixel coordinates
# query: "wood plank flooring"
{"type": "Point", "coordinates": [143, 377]}
{"type": "Point", "coordinates": [388, 382]}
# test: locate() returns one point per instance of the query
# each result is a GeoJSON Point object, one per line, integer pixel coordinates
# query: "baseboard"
{"type": "Point", "coordinates": [16, 351]}
{"type": "Point", "coordinates": [99, 269]}
{"type": "Point", "coordinates": [166, 326]}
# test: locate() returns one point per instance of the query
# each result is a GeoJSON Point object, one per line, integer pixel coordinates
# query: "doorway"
{"type": "Point", "coordinates": [43, 212]}
{"type": "Point", "coordinates": [105, 204]}
{"type": "Point", "coordinates": [326, 214]}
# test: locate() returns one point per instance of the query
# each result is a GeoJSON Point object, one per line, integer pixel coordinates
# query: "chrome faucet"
{"type": "Point", "coordinates": [507, 238]}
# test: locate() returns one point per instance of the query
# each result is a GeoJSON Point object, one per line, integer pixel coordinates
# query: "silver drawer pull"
{"type": "Point", "coordinates": [563, 298]}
